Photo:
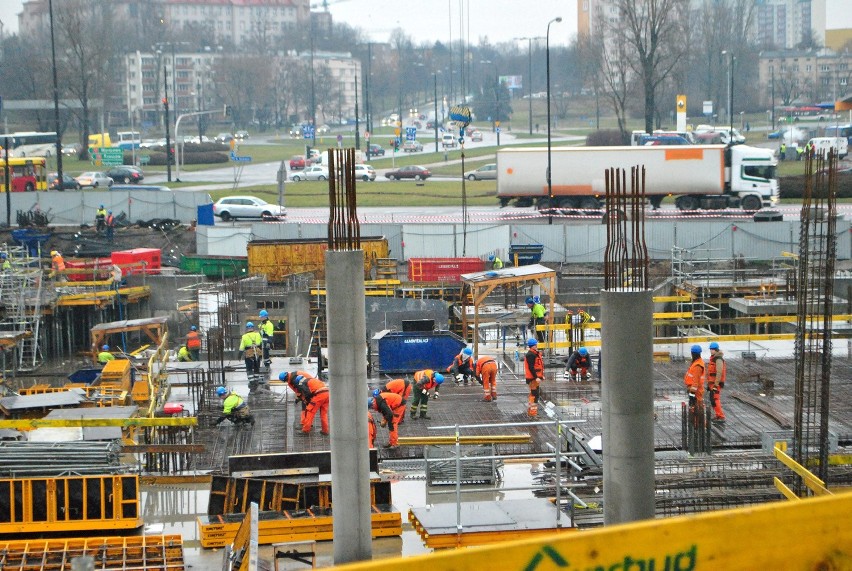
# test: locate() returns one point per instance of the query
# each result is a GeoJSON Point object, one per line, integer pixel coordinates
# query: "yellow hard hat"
{"type": "Point", "coordinates": [54, 253]}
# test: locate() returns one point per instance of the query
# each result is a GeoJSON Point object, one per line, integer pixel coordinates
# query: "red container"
{"type": "Point", "coordinates": [92, 269]}
{"type": "Point", "coordinates": [442, 269]}
{"type": "Point", "coordinates": [147, 260]}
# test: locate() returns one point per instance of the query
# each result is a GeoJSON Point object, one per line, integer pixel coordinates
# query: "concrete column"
{"type": "Point", "coordinates": [347, 356]}
{"type": "Point", "coordinates": [298, 322]}
{"type": "Point", "coordinates": [627, 399]}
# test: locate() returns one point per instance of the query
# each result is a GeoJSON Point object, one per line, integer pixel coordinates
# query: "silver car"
{"type": "Point", "coordinates": [485, 172]}
{"type": "Point", "coordinates": [233, 207]}
{"type": "Point", "coordinates": [310, 173]}
{"type": "Point", "coordinates": [365, 172]}
{"type": "Point", "coordinates": [94, 179]}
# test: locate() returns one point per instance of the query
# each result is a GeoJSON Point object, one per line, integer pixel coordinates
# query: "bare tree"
{"type": "Point", "coordinates": [240, 80]}
{"type": "Point", "coordinates": [85, 31]}
{"type": "Point", "coordinates": [656, 33]}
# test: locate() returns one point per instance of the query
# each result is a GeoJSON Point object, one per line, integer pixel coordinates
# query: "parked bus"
{"type": "Point", "coordinates": [28, 174]}
{"type": "Point", "coordinates": [28, 138]}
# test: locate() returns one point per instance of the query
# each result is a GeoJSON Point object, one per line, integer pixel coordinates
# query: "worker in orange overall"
{"type": "Point", "coordinates": [388, 404]}
{"type": "Point", "coordinates": [423, 381]}
{"type": "Point", "coordinates": [293, 378]}
{"type": "Point", "coordinates": [371, 429]}
{"type": "Point", "coordinates": [717, 370]}
{"type": "Point", "coordinates": [533, 374]}
{"type": "Point", "coordinates": [486, 372]}
{"type": "Point", "coordinates": [402, 387]}
{"type": "Point", "coordinates": [694, 381]}
{"type": "Point", "coordinates": [315, 393]}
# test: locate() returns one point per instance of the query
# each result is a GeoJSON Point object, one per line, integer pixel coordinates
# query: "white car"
{"type": "Point", "coordinates": [365, 172]}
{"type": "Point", "coordinates": [315, 172]}
{"type": "Point", "coordinates": [233, 207]}
{"type": "Point", "coordinates": [94, 179]}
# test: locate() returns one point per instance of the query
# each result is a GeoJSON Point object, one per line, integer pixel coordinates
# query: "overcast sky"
{"type": "Point", "coordinates": [430, 20]}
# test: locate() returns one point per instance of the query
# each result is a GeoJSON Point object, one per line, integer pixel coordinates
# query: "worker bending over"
{"type": "Point", "coordinates": [423, 381]}
{"type": "Point", "coordinates": [234, 408]}
{"type": "Point", "coordinates": [389, 405]}
{"type": "Point", "coordinates": [486, 373]}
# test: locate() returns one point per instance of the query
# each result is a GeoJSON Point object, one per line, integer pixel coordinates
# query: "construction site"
{"type": "Point", "coordinates": [127, 465]}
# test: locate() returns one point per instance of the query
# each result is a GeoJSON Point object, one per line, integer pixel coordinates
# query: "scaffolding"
{"type": "Point", "coordinates": [22, 295]}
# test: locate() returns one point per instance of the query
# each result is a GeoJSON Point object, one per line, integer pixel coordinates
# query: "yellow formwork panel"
{"type": "Point", "coordinates": [111, 553]}
{"type": "Point", "coordinates": [73, 503]}
{"type": "Point", "coordinates": [809, 534]}
{"type": "Point", "coordinates": [277, 259]}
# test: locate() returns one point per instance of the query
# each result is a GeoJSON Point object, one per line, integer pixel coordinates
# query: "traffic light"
{"type": "Point", "coordinates": [228, 111]}
{"type": "Point", "coordinates": [165, 103]}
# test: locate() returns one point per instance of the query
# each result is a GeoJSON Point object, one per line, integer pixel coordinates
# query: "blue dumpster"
{"type": "Point", "coordinates": [525, 254]}
{"type": "Point", "coordinates": [410, 351]}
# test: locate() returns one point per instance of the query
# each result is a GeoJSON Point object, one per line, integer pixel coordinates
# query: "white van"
{"type": "Point", "coordinates": [822, 145]}
{"type": "Point", "coordinates": [449, 141]}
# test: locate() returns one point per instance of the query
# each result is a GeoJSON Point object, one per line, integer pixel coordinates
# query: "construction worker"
{"type": "Point", "coordinates": [717, 370]}
{"type": "Point", "coordinates": [315, 393]}
{"type": "Point", "coordinates": [183, 354]}
{"type": "Point", "coordinates": [371, 429]}
{"type": "Point", "coordinates": [293, 380]}
{"type": "Point", "coordinates": [462, 366]}
{"type": "Point", "coordinates": [110, 225]}
{"type": "Point", "coordinates": [533, 375]}
{"type": "Point", "coordinates": [486, 373]}
{"type": "Point", "coordinates": [251, 344]}
{"type": "Point", "coordinates": [423, 381]}
{"type": "Point", "coordinates": [267, 329]}
{"type": "Point", "coordinates": [193, 343]}
{"type": "Point", "coordinates": [402, 387]}
{"type": "Point", "coordinates": [100, 219]}
{"type": "Point", "coordinates": [694, 381]}
{"type": "Point", "coordinates": [496, 262]}
{"type": "Point", "coordinates": [234, 408]}
{"type": "Point", "coordinates": [577, 366]}
{"type": "Point", "coordinates": [537, 312]}
{"type": "Point", "coordinates": [782, 152]}
{"type": "Point", "coordinates": [105, 356]}
{"type": "Point", "coordinates": [387, 404]}
{"type": "Point", "coordinates": [7, 265]}
{"type": "Point", "coordinates": [57, 265]}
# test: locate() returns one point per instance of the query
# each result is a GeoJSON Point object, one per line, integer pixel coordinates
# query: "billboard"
{"type": "Point", "coordinates": [512, 81]}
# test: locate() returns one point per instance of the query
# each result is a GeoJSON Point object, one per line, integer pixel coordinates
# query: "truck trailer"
{"type": "Point", "coordinates": [699, 176]}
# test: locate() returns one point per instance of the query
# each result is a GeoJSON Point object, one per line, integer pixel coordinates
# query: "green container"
{"type": "Point", "coordinates": [215, 266]}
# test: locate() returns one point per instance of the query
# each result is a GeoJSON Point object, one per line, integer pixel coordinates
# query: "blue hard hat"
{"type": "Point", "coordinates": [536, 299]}
{"type": "Point", "coordinates": [376, 392]}
{"type": "Point", "coordinates": [221, 391]}
{"type": "Point", "coordinates": [3, 255]}
{"type": "Point", "coordinates": [467, 351]}
{"type": "Point", "coordinates": [714, 345]}
{"type": "Point", "coordinates": [109, 211]}
{"type": "Point", "coordinates": [101, 206]}
{"type": "Point", "coordinates": [491, 258]}
{"type": "Point", "coordinates": [532, 342]}
{"type": "Point", "coordinates": [529, 301]}
{"type": "Point", "coordinates": [696, 349]}
{"type": "Point", "coordinates": [370, 402]}
{"type": "Point", "coordinates": [193, 328]}
{"type": "Point", "coordinates": [264, 313]}
{"type": "Point", "coordinates": [583, 351]}
{"type": "Point", "coordinates": [105, 348]}
{"type": "Point", "coordinates": [249, 325]}
{"type": "Point", "coordinates": [439, 378]}
{"type": "Point", "coordinates": [283, 376]}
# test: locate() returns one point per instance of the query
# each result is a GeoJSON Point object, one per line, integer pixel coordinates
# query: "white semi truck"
{"type": "Point", "coordinates": [699, 176]}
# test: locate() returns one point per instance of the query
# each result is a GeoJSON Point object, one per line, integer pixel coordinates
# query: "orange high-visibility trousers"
{"type": "Point", "coordinates": [489, 380]}
{"type": "Point", "coordinates": [319, 403]}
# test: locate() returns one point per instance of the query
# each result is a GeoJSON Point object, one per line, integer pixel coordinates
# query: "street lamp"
{"type": "Point", "coordinates": [731, 60]}
{"type": "Point", "coordinates": [547, 60]}
{"type": "Point", "coordinates": [529, 75]}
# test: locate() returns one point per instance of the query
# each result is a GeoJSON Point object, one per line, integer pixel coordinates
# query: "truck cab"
{"type": "Point", "coordinates": [753, 176]}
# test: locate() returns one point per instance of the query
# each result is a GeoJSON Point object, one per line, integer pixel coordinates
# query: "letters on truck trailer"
{"type": "Point", "coordinates": [698, 176]}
